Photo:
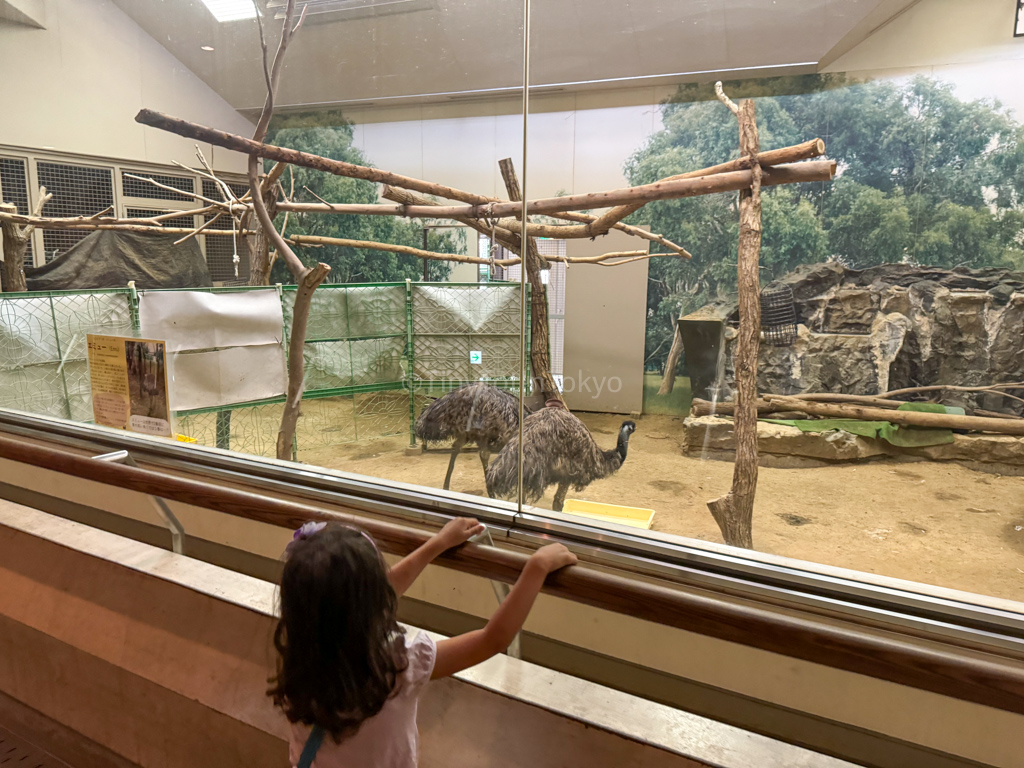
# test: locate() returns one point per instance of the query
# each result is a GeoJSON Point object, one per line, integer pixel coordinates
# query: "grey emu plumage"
{"type": "Point", "coordinates": [478, 413]}
{"type": "Point", "coordinates": [557, 449]}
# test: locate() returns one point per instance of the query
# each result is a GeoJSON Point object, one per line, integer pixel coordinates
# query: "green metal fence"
{"type": "Point", "coordinates": [374, 353]}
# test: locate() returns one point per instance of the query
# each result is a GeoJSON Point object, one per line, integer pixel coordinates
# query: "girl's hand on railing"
{"type": "Point", "coordinates": [457, 531]}
{"type": "Point", "coordinates": [551, 558]}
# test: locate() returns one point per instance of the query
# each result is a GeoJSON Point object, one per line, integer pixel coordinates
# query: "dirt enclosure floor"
{"type": "Point", "coordinates": [931, 522]}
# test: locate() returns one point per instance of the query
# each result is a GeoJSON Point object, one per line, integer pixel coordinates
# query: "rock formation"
{"type": "Point", "coordinates": [882, 328]}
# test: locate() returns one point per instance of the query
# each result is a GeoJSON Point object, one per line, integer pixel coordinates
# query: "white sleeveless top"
{"type": "Point", "coordinates": [390, 738]}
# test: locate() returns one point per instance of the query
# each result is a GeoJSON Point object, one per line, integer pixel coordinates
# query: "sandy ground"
{"type": "Point", "coordinates": [924, 521]}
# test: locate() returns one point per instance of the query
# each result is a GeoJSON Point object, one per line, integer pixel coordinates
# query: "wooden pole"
{"type": "Point", "coordinates": [391, 248]}
{"type": "Point", "coordinates": [668, 381]}
{"type": "Point", "coordinates": [766, 405]}
{"type": "Point", "coordinates": [1007, 426]}
{"type": "Point", "coordinates": [406, 198]}
{"type": "Point", "coordinates": [304, 159]}
{"type": "Point", "coordinates": [540, 354]}
{"type": "Point", "coordinates": [796, 173]}
{"type": "Point", "coordinates": [15, 247]}
{"type": "Point", "coordinates": [294, 157]}
{"type": "Point", "coordinates": [734, 511]}
{"type": "Point", "coordinates": [306, 279]}
{"type": "Point", "coordinates": [805, 151]}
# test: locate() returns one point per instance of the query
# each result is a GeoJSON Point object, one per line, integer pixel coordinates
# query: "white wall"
{"type": "Point", "coordinates": [605, 328]}
{"type": "Point", "coordinates": [578, 142]}
{"type": "Point", "coordinates": [967, 42]}
{"type": "Point", "coordinates": [76, 86]}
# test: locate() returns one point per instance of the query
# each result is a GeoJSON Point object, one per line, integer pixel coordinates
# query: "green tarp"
{"type": "Point", "coordinates": [894, 434]}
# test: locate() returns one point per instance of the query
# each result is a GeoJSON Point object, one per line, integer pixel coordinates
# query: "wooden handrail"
{"type": "Point", "coordinates": [886, 656]}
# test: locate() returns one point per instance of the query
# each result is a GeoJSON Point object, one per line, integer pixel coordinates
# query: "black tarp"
{"type": "Point", "coordinates": [110, 259]}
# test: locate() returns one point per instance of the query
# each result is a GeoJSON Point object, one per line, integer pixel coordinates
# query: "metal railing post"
{"type": "Point", "coordinates": [501, 590]}
{"type": "Point", "coordinates": [410, 358]}
{"type": "Point", "coordinates": [170, 519]}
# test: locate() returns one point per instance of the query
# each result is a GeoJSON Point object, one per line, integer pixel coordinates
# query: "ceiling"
{"type": "Point", "coordinates": [445, 49]}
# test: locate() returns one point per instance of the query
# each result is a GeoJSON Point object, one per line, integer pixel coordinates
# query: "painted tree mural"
{"type": "Point", "coordinates": [924, 177]}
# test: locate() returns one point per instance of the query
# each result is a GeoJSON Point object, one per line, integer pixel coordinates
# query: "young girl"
{"type": "Point", "coordinates": [348, 678]}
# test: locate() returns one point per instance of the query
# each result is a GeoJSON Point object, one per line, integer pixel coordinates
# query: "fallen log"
{"type": "Point", "coordinates": [701, 407]}
{"type": "Point", "coordinates": [1001, 426]}
{"type": "Point", "coordinates": [829, 397]}
{"type": "Point", "coordinates": [997, 414]}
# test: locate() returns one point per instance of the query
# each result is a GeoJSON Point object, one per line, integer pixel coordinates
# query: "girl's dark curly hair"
{"type": "Point", "coordinates": [340, 646]}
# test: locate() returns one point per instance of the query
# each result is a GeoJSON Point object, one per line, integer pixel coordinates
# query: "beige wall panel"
{"type": "Point", "coordinates": [164, 660]}
{"type": "Point", "coordinates": [605, 312]}
{"type": "Point", "coordinates": [80, 82]}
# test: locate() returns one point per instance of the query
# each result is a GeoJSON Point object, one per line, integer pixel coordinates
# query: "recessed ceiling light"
{"type": "Point", "coordinates": [231, 10]}
{"type": "Point", "coordinates": [206, 47]}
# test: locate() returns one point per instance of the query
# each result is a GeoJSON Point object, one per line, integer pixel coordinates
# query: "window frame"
{"type": "Point", "coordinates": [977, 622]}
{"type": "Point", "coordinates": [116, 166]}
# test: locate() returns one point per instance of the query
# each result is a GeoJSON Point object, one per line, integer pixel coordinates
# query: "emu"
{"type": "Point", "coordinates": [557, 449]}
{"type": "Point", "coordinates": [478, 413]}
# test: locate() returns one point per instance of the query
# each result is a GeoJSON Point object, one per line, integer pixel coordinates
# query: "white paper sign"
{"type": "Point", "coordinates": [227, 347]}
{"type": "Point", "coordinates": [235, 375]}
{"type": "Point", "coordinates": [202, 320]}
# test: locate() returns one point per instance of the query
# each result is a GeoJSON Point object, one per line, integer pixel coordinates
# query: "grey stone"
{"type": "Point", "coordinates": [888, 327]}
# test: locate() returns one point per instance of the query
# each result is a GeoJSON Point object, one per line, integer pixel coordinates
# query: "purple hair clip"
{"type": "Point", "coordinates": [305, 531]}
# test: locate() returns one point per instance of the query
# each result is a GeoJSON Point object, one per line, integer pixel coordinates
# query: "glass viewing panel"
{"type": "Point", "coordinates": [903, 272]}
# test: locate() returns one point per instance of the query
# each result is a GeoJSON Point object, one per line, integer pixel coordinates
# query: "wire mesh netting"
{"type": "Point", "coordinates": [78, 190]}
{"type": "Point", "coordinates": [463, 335]}
{"type": "Point", "coordinates": [375, 355]}
{"type": "Point", "coordinates": [43, 366]}
{"type": "Point", "coordinates": [14, 189]}
{"type": "Point", "coordinates": [132, 186]}
{"type": "Point", "coordinates": [221, 249]}
{"type": "Point", "coordinates": [178, 222]}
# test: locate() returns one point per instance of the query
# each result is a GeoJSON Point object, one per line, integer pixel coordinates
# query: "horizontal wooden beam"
{"type": "Point", "coordinates": [795, 173]}
{"type": "Point", "coordinates": [295, 157]}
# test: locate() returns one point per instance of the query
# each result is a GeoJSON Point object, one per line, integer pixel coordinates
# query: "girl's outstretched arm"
{"type": "Point", "coordinates": [464, 651]}
{"type": "Point", "coordinates": [457, 531]}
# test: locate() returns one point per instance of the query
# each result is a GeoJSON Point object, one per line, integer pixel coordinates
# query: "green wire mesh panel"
{"type": "Point", "coordinates": [325, 422]}
{"type": "Point", "coordinates": [249, 429]}
{"type": "Point", "coordinates": [355, 335]}
{"type": "Point", "coordinates": [43, 367]}
{"type": "Point", "coordinates": [375, 355]}
{"type": "Point", "coordinates": [465, 333]}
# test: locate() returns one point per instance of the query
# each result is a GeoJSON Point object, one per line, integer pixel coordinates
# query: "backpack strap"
{"type": "Point", "coordinates": [316, 737]}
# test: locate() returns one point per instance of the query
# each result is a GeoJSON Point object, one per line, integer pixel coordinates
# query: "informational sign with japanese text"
{"type": "Point", "coordinates": [129, 383]}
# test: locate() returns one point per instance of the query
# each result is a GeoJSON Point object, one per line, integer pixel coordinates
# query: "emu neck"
{"type": "Point", "coordinates": [623, 444]}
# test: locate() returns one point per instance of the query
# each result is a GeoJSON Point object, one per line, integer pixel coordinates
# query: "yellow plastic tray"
{"type": "Point", "coordinates": [634, 516]}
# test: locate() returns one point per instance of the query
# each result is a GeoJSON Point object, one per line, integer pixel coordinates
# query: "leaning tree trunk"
{"type": "Point", "coordinates": [669, 380]}
{"type": "Point", "coordinates": [734, 511]}
{"type": "Point", "coordinates": [259, 244]}
{"type": "Point", "coordinates": [540, 355]}
{"type": "Point", "coordinates": [307, 284]}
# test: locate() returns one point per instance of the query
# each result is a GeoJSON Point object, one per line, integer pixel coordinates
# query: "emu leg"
{"type": "Point", "coordinates": [563, 488]}
{"type": "Point", "coordinates": [485, 460]}
{"type": "Point", "coordinates": [451, 462]}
